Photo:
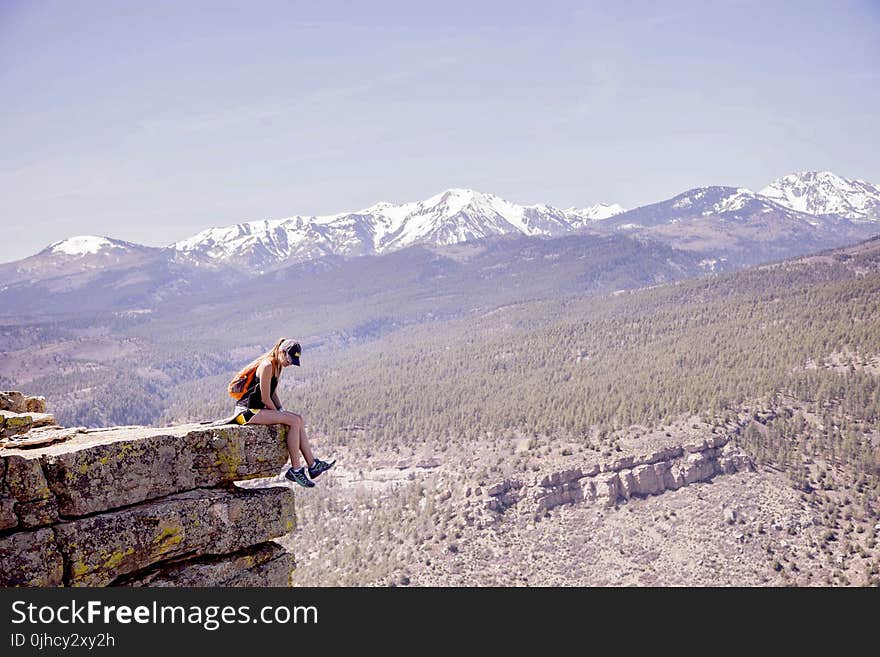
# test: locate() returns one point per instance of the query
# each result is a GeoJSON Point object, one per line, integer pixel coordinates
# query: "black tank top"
{"type": "Point", "coordinates": [253, 398]}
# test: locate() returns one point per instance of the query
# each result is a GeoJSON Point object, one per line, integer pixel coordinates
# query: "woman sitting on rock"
{"type": "Point", "coordinates": [254, 388]}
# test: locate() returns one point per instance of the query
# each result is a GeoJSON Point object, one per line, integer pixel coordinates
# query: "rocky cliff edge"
{"type": "Point", "coordinates": [140, 506]}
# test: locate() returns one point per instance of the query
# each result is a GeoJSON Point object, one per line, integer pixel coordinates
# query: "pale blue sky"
{"type": "Point", "coordinates": [149, 121]}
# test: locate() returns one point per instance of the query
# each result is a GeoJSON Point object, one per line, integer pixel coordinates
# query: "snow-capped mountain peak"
{"type": "Point", "coordinates": [84, 245]}
{"type": "Point", "coordinates": [826, 193]}
{"type": "Point", "coordinates": [725, 205]}
{"type": "Point", "coordinates": [596, 212]}
{"type": "Point", "coordinates": [454, 199]}
{"type": "Point", "coordinates": [456, 215]}
{"type": "Point", "coordinates": [449, 203]}
{"type": "Point", "coordinates": [76, 255]}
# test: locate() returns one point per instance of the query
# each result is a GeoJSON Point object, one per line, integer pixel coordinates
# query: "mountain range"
{"type": "Point", "coordinates": [459, 215]}
{"type": "Point", "coordinates": [720, 228]}
{"type": "Point", "coordinates": [453, 216]}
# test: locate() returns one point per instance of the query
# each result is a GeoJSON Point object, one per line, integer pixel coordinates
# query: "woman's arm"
{"type": "Point", "coordinates": [276, 402]}
{"type": "Point", "coordinates": [264, 372]}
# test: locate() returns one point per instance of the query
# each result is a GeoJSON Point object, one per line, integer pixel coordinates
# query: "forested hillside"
{"type": "Point", "coordinates": [574, 365]}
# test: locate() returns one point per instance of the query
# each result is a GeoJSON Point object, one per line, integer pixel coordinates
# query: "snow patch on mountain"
{"type": "Point", "coordinates": [733, 202]}
{"type": "Point", "coordinates": [83, 245]}
{"type": "Point", "coordinates": [596, 212]}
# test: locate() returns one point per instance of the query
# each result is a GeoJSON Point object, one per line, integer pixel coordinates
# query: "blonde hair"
{"type": "Point", "coordinates": [274, 355]}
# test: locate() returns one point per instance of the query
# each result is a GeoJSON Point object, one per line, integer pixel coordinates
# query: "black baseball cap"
{"type": "Point", "coordinates": [293, 350]}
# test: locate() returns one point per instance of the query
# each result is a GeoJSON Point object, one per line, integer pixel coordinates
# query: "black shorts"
{"type": "Point", "coordinates": [244, 415]}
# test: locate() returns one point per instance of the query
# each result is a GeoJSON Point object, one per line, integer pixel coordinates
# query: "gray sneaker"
{"type": "Point", "coordinates": [299, 477]}
{"type": "Point", "coordinates": [319, 466]}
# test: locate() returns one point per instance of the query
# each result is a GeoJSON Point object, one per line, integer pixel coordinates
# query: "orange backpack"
{"type": "Point", "coordinates": [241, 383]}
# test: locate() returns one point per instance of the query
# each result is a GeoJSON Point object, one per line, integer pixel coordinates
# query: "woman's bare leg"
{"type": "Point", "coordinates": [295, 432]}
{"type": "Point", "coordinates": [304, 445]}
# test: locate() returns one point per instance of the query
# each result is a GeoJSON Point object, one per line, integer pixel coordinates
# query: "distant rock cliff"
{"type": "Point", "coordinates": [141, 506]}
{"type": "Point", "coordinates": [665, 464]}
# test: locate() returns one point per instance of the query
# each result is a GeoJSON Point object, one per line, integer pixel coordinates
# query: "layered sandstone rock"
{"type": "Point", "coordinates": [252, 566]}
{"type": "Point", "coordinates": [100, 548]}
{"type": "Point", "coordinates": [143, 506]}
{"type": "Point", "coordinates": [667, 466]}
